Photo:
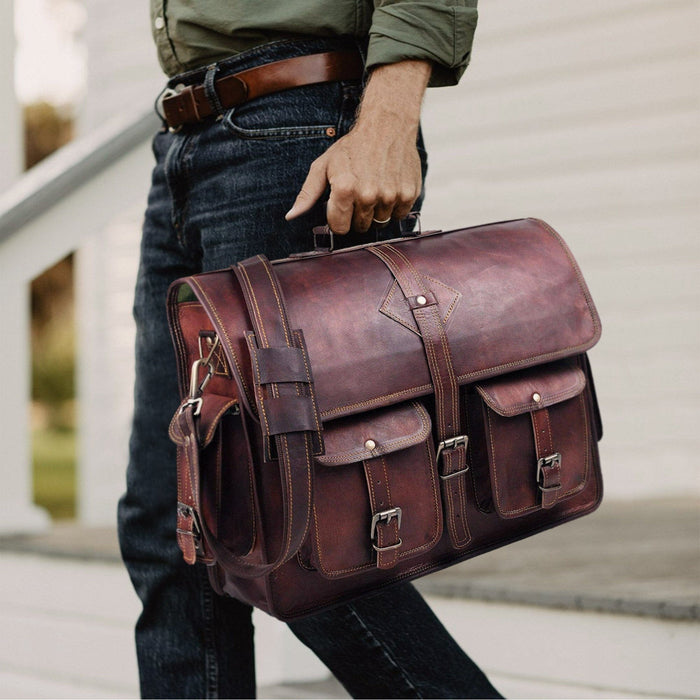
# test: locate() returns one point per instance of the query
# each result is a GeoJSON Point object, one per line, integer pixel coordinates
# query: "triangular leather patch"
{"type": "Point", "coordinates": [396, 307]}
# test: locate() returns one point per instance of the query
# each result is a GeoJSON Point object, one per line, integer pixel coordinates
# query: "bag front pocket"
{"type": "Point", "coordinates": [536, 437]}
{"type": "Point", "coordinates": [376, 494]}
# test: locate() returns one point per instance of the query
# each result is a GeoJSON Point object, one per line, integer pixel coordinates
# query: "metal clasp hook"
{"type": "Point", "coordinates": [197, 386]}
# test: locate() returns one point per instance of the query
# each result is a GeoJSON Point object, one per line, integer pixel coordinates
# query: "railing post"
{"type": "Point", "coordinates": [10, 114]}
{"type": "Point", "coordinates": [18, 513]}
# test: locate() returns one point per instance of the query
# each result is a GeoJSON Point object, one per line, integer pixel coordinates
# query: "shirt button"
{"type": "Point", "coordinates": [159, 23]}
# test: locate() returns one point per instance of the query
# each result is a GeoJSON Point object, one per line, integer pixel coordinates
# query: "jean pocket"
{"type": "Point", "coordinates": [312, 111]}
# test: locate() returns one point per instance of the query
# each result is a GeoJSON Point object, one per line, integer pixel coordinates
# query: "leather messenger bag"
{"type": "Point", "coordinates": [355, 418]}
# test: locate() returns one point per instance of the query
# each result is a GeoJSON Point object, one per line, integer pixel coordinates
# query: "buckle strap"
{"type": "Point", "coordinates": [451, 449]}
{"type": "Point", "coordinates": [386, 519]}
{"type": "Point", "coordinates": [548, 473]}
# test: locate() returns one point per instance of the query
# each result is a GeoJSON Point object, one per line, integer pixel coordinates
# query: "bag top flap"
{"type": "Point", "coordinates": [531, 389]}
{"type": "Point", "coordinates": [385, 430]}
{"type": "Point", "coordinates": [510, 296]}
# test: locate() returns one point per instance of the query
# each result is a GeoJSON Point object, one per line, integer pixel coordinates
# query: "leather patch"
{"type": "Point", "coordinates": [397, 308]}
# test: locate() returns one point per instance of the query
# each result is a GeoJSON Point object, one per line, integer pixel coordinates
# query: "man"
{"type": "Point", "coordinates": [226, 174]}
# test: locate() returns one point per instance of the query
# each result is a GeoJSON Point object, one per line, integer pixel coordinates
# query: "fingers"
{"type": "Point", "coordinates": [314, 186]}
{"type": "Point", "coordinates": [341, 204]}
{"type": "Point", "coordinates": [360, 209]}
{"type": "Point", "coordinates": [363, 187]}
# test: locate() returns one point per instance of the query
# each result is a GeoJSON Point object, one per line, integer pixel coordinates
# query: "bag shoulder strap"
{"type": "Point", "coordinates": [288, 415]}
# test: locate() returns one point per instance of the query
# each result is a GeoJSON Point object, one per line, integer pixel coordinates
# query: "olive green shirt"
{"type": "Point", "coordinates": [194, 33]}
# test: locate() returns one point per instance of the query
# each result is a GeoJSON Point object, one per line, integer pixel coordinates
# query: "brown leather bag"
{"type": "Point", "coordinates": [355, 418]}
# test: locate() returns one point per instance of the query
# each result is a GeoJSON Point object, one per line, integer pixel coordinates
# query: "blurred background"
{"type": "Point", "coordinates": [583, 114]}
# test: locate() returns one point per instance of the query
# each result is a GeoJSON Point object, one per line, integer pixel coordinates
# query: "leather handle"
{"type": "Point", "coordinates": [324, 239]}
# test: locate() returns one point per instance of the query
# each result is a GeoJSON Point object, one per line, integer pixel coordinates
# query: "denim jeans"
{"type": "Point", "coordinates": [219, 193]}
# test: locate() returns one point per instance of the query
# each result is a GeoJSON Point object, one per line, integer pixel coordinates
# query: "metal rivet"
{"type": "Point", "coordinates": [536, 397]}
{"type": "Point", "coordinates": [330, 131]}
{"type": "Point", "coordinates": [159, 23]}
{"type": "Point", "coordinates": [370, 444]}
{"type": "Point", "coordinates": [421, 300]}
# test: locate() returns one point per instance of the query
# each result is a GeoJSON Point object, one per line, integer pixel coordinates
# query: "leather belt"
{"type": "Point", "coordinates": [190, 105]}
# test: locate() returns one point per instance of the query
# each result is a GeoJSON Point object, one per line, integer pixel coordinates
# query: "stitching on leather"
{"type": "Point", "coordinates": [430, 463]}
{"type": "Point", "coordinates": [215, 422]}
{"type": "Point", "coordinates": [307, 453]}
{"type": "Point", "coordinates": [461, 491]}
{"type": "Point", "coordinates": [437, 511]}
{"type": "Point", "coordinates": [579, 277]}
{"type": "Point", "coordinates": [384, 308]}
{"type": "Point", "coordinates": [254, 305]}
{"type": "Point", "coordinates": [181, 347]}
{"type": "Point", "coordinates": [567, 393]}
{"type": "Point", "coordinates": [392, 554]}
{"type": "Point", "coordinates": [290, 495]}
{"type": "Point", "coordinates": [213, 309]}
{"type": "Point", "coordinates": [302, 346]}
{"type": "Point", "coordinates": [387, 448]}
{"type": "Point", "coordinates": [277, 293]}
{"type": "Point", "coordinates": [374, 402]}
{"type": "Point", "coordinates": [417, 276]}
{"type": "Point", "coordinates": [454, 385]}
{"type": "Point", "coordinates": [259, 395]}
{"type": "Point", "coordinates": [251, 485]}
{"type": "Point", "coordinates": [457, 296]}
{"type": "Point", "coordinates": [494, 473]}
{"type": "Point", "coordinates": [575, 489]}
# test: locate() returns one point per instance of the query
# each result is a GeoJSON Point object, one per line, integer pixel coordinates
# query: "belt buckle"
{"type": "Point", "coordinates": [164, 95]}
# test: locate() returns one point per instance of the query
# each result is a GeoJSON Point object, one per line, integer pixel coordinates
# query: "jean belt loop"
{"type": "Point", "coordinates": [210, 91]}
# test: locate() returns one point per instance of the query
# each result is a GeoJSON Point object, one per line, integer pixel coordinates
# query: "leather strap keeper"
{"type": "Point", "coordinates": [190, 105]}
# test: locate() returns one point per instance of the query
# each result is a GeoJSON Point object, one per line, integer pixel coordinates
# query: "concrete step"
{"type": "Point", "coordinates": [603, 607]}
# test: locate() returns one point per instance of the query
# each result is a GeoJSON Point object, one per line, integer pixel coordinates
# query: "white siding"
{"type": "Point", "coordinates": [587, 115]}
{"type": "Point", "coordinates": [123, 72]}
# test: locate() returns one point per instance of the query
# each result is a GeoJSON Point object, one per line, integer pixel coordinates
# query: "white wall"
{"type": "Point", "coordinates": [123, 71]}
{"type": "Point", "coordinates": [11, 136]}
{"type": "Point", "coordinates": [586, 115]}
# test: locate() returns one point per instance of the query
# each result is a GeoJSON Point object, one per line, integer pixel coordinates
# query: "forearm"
{"type": "Point", "coordinates": [393, 96]}
{"type": "Point", "coordinates": [374, 170]}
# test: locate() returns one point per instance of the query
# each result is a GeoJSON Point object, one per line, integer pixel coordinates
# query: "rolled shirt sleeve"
{"type": "Point", "coordinates": [440, 31]}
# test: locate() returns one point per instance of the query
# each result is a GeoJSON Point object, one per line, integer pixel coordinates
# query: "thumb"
{"type": "Point", "coordinates": [314, 186]}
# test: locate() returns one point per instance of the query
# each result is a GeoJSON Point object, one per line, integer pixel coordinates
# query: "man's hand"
{"type": "Point", "coordinates": [374, 170]}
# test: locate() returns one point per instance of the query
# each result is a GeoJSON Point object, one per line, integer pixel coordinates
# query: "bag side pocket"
{"type": "Point", "coordinates": [537, 436]}
{"type": "Point", "coordinates": [376, 493]}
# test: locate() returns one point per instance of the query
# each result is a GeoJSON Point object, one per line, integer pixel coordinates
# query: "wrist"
{"type": "Point", "coordinates": [393, 97]}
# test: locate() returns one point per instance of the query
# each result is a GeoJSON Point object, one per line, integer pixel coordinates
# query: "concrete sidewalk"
{"type": "Point", "coordinates": [613, 597]}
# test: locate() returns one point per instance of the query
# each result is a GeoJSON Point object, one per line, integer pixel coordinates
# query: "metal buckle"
{"type": "Point", "coordinates": [388, 547]}
{"type": "Point", "coordinates": [164, 95]}
{"type": "Point", "coordinates": [404, 224]}
{"type": "Point", "coordinates": [385, 516]}
{"type": "Point", "coordinates": [450, 444]}
{"type": "Point", "coordinates": [319, 231]}
{"type": "Point", "coordinates": [197, 403]}
{"type": "Point", "coordinates": [553, 460]}
{"type": "Point", "coordinates": [188, 512]}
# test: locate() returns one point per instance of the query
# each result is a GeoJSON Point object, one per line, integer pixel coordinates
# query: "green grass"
{"type": "Point", "coordinates": [53, 454]}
